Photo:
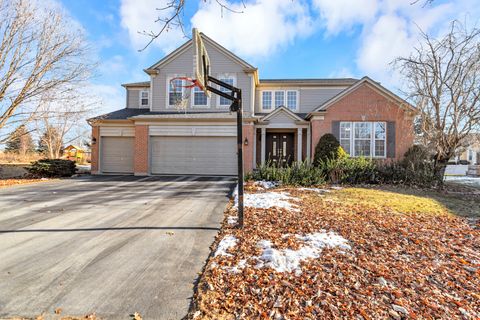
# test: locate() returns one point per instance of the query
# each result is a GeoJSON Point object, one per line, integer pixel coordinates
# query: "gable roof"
{"type": "Point", "coordinates": [186, 45]}
{"type": "Point", "coordinates": [282, 109]}
{"type": "Point", "coordinates": [365, 80]}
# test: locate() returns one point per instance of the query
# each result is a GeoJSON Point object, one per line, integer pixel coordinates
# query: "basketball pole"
{"type": "Point", "coordinates": [236, 98]}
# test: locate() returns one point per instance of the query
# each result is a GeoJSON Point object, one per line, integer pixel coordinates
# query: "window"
{"type": "Point", "coordinates": [292, 100]}
{"type": "Point", "coordinates": [364, 139]}
{"type": "Point", "coordinates": [279, 98]}
{"type": "Point", "coordinates": [143, 98]}
{"type": "Point", "coordinates": [345, 136]}
{"type": "Point", "coordinates": [223, 102]}
{"type": "Point", "coordinates": [199, 97]}
{"type": "Point", "coordinates": [267, 100]}
{"type": "Point", "coordinates": [175, 92]}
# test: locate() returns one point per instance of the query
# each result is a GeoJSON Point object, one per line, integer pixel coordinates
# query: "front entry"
{"type": "Point", "coordinates": [279, 148]}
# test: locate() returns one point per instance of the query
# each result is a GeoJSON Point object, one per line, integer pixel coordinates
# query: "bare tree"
{"type": "Point", "coordinates": [40, 51]}
{"type": "Point", "coordinates": [171, 16]}
{"type": "Point", "coordinates": [61, 119]}
{"type": "Point", "coordinates": [443, 79]}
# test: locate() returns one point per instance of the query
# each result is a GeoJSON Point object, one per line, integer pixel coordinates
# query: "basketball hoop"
{"type": "Point", "coordinates": [183, 86]}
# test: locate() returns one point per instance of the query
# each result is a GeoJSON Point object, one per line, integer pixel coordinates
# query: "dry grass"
{"type": "Point", "coordinates": [5, 183]}
{"type": "Point", "coordinates": [6, 157]}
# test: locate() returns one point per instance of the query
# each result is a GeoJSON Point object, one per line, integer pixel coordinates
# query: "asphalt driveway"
{"type": "Point", "coordinates": [109, 245]}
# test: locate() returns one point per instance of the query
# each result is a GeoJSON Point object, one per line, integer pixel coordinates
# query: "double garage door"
{"type": "Point", "coordinates": [175, 150]}
{"type": "Point", "coordinates": [193, 155]}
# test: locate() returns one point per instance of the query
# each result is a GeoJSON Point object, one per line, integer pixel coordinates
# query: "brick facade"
{"type": "Point", "coordinates": [367, 104]}
{"type": "Point", "coordinates": [141, 150]}
{"type": "Point", "coordinates": [94, 156]}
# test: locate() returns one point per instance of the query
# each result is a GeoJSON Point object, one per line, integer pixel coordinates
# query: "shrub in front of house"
{"type": "Point", "coordinates": [348, 170]}
{"type": "Point", "coordinates": [327, 149]}
{"type": "Point", "coordinates": [52, 168]}
{"type": "Point", "coordinates": [297, 174]}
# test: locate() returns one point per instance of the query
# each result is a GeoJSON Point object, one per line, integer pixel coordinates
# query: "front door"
{"type": "Point", "coordinates": [280, 148]}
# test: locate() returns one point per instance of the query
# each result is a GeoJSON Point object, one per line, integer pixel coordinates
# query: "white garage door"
{"type": "Point", "coordinates": [194, 155]}
{"type": "Point", "coordinates": [117, 154]}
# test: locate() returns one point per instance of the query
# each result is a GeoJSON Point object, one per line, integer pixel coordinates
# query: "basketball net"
{"type": "Point", "coordinates": [186, 87]}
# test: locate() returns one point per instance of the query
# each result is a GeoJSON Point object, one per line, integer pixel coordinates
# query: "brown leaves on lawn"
{"type": "Point", "coordinates": [13, 182]}
{"type": "Point", "coordinates": [401, 265]}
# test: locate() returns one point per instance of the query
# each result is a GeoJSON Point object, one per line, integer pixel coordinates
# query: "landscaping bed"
{"type": "Point", "coordinates": [308, 253]}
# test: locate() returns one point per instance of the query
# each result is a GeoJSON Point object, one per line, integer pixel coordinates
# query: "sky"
{"type": "Point", "coordinates": [282, 38]}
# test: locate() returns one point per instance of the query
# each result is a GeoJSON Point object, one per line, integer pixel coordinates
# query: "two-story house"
{"type": "Point", "coordinates": [283, 120]}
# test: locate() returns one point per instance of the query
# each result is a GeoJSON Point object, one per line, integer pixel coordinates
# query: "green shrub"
{"type": "Point", "coordinates": [326, 149]}
{"type": "Point", "coordinates": [50, 168]}
{"type": "Point", "coordinates": [348, 170]}
{"type": "Point", "coordinates": [298, 174]}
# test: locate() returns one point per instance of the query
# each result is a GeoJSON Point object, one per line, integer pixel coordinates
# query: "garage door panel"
{"type": "Point", "coordinates": [193, 155]}
{"type": "Point", "coordinates": [117, 154]}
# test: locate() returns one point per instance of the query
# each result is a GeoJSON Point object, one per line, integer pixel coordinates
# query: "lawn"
{"type": "Point", "coordinates": [360, 253]}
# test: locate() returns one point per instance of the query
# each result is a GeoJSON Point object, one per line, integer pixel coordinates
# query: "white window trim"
{"type": "Point", "coordinates": [285, 99]}
{"type": "Point", "coordinates": [200, 106]}
{"type": "Point", "coordinates": [225, 76]}
{"type": "Point", "coordinates": [140, 105]}
{"type": "Point", "coordinates": [372, 139]}
{"type": "Point", "coordinates": [167, 87]}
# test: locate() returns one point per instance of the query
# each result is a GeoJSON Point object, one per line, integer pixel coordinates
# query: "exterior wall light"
{"type": "Point", "coordinates": [245, 142]}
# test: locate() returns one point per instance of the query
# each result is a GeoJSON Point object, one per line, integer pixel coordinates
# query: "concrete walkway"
{"type": "Point", "coordinates": [109, 245]}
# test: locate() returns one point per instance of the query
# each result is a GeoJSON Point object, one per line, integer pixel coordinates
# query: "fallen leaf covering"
{"type": "Point", "coordinates": [418, 264]}
{"type": "Point", "coordinates": [12, 182]}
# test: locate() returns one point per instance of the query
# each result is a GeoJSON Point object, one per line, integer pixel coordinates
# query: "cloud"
{"type": "Point", "coordinates": [109, 97]}
{"type": "Point", "coordinates": [264, 26]}
{"type": "Point", "coordinates": [140, 16]}
{"type": "Point", "coordinates": [340, 15]}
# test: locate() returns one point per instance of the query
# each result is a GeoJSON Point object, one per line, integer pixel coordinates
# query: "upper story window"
{"type": "Point", "coordinates": [367, 139]}
{"type": "Point", "coordinates": [292, 100]}
{"type": "Point", "coordinates": [230, 79]}
{"type": "Point", "coordinates": [175, 91]}
{"type": "Point", "coordinates": [199, 98]}
{"type": "Point", "coordinates": [278, 98]}
{"type": "Point", "coordinates": [144, 98]}
{"type": "Point", "coordinates": [267, 100]}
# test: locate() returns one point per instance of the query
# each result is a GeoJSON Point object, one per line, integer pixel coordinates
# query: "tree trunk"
{"type": "Point", "coordinates": [439, 170]}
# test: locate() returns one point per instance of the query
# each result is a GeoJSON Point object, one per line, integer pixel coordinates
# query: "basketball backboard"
{"type": "Point", "coordinates": [201, 62]}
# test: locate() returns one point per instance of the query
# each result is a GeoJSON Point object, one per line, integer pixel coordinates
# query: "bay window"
{"type": "Point", "coordinates": [363, 139]}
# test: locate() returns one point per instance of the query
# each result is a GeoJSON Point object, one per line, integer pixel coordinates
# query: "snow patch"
{"type": "Point", "coordinates": [265, 184]}
{"type": "Point", "coordinates": [267, 200]}
{"type": "Point", "coordinates": [288, 260]}
{"type": "Point", "coordinates": [469, 181]}
{"type": "Point", "coordinates": [232, 220]}
{"type": "Point", "coordinates": [226, 243]}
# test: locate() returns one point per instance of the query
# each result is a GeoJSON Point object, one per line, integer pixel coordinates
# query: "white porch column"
{"type": "Point", "coordinates": [309, 144]}
{"type": "Point", "coordinates": [263, 145]}
{"type": "Point", "coordinates": [299, 144]}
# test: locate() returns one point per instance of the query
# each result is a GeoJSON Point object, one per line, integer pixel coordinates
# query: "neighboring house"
{"type": "Point", "coordinates": [283, 120]}
{"type": "Point", "coordinates": [470, 152]}
{"type": "Point", "coordinates": [74, 153]}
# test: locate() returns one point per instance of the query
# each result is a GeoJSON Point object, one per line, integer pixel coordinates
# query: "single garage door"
{"type": "Point", "coordinates": [117, 154]}
{"type": "Point", "coordinates": [193, 155]}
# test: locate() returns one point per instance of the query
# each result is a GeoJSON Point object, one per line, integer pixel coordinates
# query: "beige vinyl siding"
{"type": "Point", "coordinates": [193, 155]}
{"type": "Point", "coordinates": [117, 154]}
{"type": "Point", "coordinates": [308, 98]}
{"type": "Point", "coordinates": [133, 97]}
{"type": "Point", "coordinates": [281, 117]}
{"type": "Point", "coordinates": [182, 65]}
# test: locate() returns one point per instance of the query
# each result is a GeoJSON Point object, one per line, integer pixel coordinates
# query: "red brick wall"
{"type": "Point", "coordinates": [367, 104]}
{"type": "Point", "coordinates": [248, 132]}
{"type": "Point", "coordinates": [94, 156]}
{"type": "Point", "coordinates": [141, 150]}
